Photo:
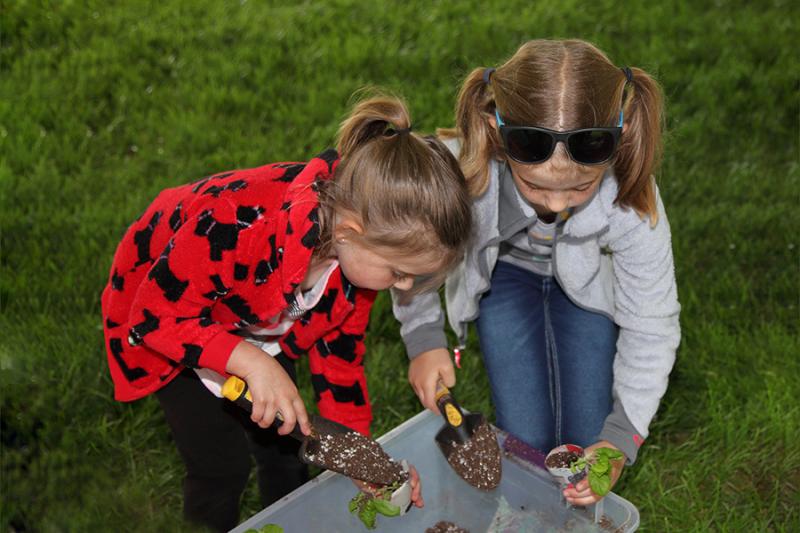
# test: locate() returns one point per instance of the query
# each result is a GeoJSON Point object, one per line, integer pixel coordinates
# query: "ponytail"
{"type": "Point", "coordinates": [480, 142]}
{"type": "Point", "coordinates": [639, 152]}
{"type": "Point", "coordinates": [371, 118]}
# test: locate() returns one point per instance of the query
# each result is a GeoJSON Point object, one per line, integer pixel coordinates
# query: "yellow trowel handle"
{"type": "Point", "coordinates": [451, 411]}
{"type": "Point", "coordinates": [235, 389]}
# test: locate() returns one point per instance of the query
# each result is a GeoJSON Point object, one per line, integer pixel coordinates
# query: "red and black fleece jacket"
{"type": "Point", "coordinates": [208, 260]}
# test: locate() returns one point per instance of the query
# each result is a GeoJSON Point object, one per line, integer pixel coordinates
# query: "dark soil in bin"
{"type": "Point", "coordinates": [446, 527]}
{"type": "Point", "coordinates": [561, 459]}
{"type": "Point", "coordinates": [478, 460]}
{"type": "Point", "coordinates": [359, 457]}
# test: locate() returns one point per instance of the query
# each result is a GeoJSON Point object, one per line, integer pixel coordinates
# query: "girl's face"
{"type": "Point", "coordinates": [558, 183]}
{"type": "Point", "coordinates": [381, 268]}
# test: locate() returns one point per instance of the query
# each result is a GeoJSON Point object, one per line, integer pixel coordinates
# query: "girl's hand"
{"type": "Point", "coordinates": [426, 370]}
{"type": "Point", "coordinates": [581, 493]}
{"type": "Point", "coordinates": [416, 487]}
{"type": "Point", "coordinates": [271, 387]}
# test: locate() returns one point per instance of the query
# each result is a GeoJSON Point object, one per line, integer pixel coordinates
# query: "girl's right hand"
{"type": "Point", "coordinates": [426, 370]}
{"type": "Point", "coordinates": [271, 387]}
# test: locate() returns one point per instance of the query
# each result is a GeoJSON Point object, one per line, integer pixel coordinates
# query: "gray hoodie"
{"type": "Point", "coordinates": [608, 260]}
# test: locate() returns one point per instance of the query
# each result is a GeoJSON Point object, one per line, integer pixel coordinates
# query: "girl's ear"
{"type": "Point", "coordinates": [346, 226]}
{"type": "Point", "coordinates": [493, 121]}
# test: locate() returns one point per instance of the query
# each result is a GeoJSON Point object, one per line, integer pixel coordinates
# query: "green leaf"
{"type": "Point", "coordinates": [600, 467]}
{"type": "Point", "coordinates": [578, 465]}
{"type": "Point", "coordinates": [386, 508]}
{"type": "Point", "coordinates": [600, 483]}
{"type": "Point", "coordinates": [608, 453]}
{"type": "Point", "coordinates": [368, 514]}
{"type": "Point", "coordinates": [271, 528]}
{"type": "Point", "coordinates": [353, 505]}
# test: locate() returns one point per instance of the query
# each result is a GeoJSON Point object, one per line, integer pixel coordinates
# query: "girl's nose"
{"type": "Point", "coordinates": [557, 201]}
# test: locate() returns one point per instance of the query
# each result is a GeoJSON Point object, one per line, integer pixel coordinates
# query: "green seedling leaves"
{"type": "Point", "coordinates": [368, 507]}
{"type": "Point", "coordinates": [599, 463]}
{"type": "Point", "coordinates": [368, 514]}
{"type": "Point", "coordinates": [386, 508]}
{"type": "Point", "coordinates": [600, 483]}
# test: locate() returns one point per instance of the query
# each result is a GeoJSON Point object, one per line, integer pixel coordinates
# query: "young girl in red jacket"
{"type": "Point", "coordinates": [242, 272]}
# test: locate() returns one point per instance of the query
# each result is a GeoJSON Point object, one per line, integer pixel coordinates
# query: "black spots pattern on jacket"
{"type": "Point", "coordinates": [138, 331]}
{"type": "Point", "coordinates": [220, 289]}
{"type": "Point", "coordinates": [202, 181]}
{"type": "Point", "coordinates": [265, 268]}
{"type": "Point", "coordinates": [240, 271]}
{"type": "Point", "coordinates": [143, 237]}
{"type": "Point", "coordinates": [117, 281]}
{"type": "Point", "coordinates": [175, 219]}
{"type": "Point", "coordinates": [291, 171]}
{"type": "Point", "coordinates": [234, 186]}
{"type": "Point", "coordinates": [204, 318]}
{"type": "Point", "coordinates": [167, 281]}
{"type": "Point", "coordinates": [343, 347]}
{"type": "Point", "coordinates": [241, 308]}
{"type": "Point", "coordinates": [191, 355]}
{"type": "Point", "coordinates": [130, 373]}
{"type": "Point", "coordinates": [311, 238]}
{"type": "Point", "coordinates": [221, 236]}
{"type": "Point", "coordinates": [290, 340]}
{"type": "Point", "coordinates": [329, 156]}
{"type": "Point", "coordinates": [341, 393]}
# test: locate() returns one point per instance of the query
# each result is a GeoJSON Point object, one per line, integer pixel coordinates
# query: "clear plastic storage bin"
{"type": "Point", "coordinates": [528, 498]}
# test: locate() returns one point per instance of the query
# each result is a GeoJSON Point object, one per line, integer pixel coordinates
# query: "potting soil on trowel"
{"type": "Point", "coordinates": [478, 460]}
{"type": "Point", "coordinates": [358, 457]}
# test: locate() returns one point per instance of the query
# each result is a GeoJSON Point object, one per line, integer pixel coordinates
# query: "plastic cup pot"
{"type": "Point", "coordinates": [559, 461]}
{"type": "Point", "coordinates": [401, 497]}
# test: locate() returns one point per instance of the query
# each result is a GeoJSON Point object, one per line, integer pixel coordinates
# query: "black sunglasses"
{"type": "Point", "coordinates": [587, 146]}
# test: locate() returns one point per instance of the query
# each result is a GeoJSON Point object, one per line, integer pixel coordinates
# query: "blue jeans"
{"type": "Point", "coordinates": [549, 362]}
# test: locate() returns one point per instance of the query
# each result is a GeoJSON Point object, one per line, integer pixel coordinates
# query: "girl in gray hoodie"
{"type": "Point", "coordinates": [570, 275]}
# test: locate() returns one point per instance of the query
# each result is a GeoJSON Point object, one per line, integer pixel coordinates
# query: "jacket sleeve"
{"type": "Point", "coordinates": [647, 311]}
{"type": "Point", "coordinates": [336, 362]}
{"type": "Point", "coordinates": [172, 307]}
{"type": "Point", "coordinates": [421, 322]}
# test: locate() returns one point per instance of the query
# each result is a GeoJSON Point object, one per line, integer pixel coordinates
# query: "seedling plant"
{"type": "Point", "coordinates": [599, 464]}
{"type": "Point", "coordinates": [368, 506]}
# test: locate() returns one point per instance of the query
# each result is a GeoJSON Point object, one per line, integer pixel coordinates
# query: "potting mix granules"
{"type": "Point", "coordinates": [357, 456]}
{"type": "Point", "coordinates": [478, 460]}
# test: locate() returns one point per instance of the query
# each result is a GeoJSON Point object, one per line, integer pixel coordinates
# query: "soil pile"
{"type": "Point", "coordinates": [356, 456]}
{"type": "Point", "coordinates": [478, 460]}
{"type": "Point", "coordinates": [445, 527]}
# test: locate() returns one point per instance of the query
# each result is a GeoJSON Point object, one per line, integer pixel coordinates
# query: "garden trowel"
{"type": "Point", "coordinates": [315, 447]}
{"type": "Point", "coordinates": [458, 442]}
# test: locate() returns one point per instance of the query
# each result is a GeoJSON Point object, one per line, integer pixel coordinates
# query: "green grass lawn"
{"type": "Point", "coordinates": [103, 104]}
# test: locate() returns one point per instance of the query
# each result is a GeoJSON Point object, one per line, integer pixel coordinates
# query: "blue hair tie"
{"type": "Point", "coordinates": [487, 74]}
{"type": "Point", "coordinates": [628, 74]}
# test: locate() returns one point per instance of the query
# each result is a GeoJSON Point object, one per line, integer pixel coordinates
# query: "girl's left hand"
{"type": "Point", "coordinates": [416, 487]}
{"type": "Point", "coordinates": [581, 493]}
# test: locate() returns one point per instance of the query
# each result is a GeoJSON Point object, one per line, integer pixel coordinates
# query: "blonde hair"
{"type": "Point", "coordinates": [405, 190]}
{"type": "Point", "coordinates": [571, 84]}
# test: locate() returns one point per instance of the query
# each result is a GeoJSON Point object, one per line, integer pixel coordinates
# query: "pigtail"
{"type": "Point", "coordinates": [639, 152]}
{"type": "Point", "coordinates": [374, 117]}
{"type": "Point", "coordinates": [480, 142]}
